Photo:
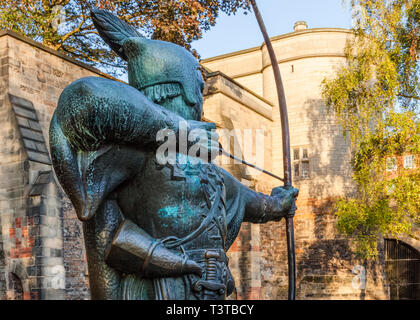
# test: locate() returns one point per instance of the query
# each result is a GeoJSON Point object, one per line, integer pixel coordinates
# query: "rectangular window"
{"type": "Point", "coordinates": [391, 164]}
{"type": "Point", "coordinates": [409, 162]}
{"type": "Point", "coordinates": [296, 170]}
{"type": "Point", "coordinates": [305, 169]}
{"type": "Point", "coordinates": [296, 154]}
{"type": "Point", "coordinates": [300, 163]}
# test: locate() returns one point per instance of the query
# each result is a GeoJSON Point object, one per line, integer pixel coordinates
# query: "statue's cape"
{"type": "Point", "coordinates": [88, 177]}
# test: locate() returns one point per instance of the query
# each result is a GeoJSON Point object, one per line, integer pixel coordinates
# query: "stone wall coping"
{"type": "Point", "coordinates": [273, 39]}
{"type": "Point", "coordinates": [54, 52]}
{"type": "Point", "coordinates": [219, 73]}
{"type": "Point", "coordinates": [252, 100]}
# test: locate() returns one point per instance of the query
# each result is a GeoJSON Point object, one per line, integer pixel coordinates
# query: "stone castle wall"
{"type": "Point", "coordinates": [42, 240]}
{"type": "Point", "coordinates": [324, 259]}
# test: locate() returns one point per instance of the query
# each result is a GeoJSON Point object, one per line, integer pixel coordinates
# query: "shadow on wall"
{"type": "Point", "coordinates": [331, 173]}
{"type": "Point", "coordinates": [326, 266]}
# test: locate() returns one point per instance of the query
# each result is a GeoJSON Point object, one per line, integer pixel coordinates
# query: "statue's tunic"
{"type": "Point", "coordinates": [186, 201]}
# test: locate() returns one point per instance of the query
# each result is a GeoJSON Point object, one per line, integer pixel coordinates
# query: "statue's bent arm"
{"type": "Point", "coordinates": [93, 115]}
{"type": "Point", "coordinates": [95, 111]}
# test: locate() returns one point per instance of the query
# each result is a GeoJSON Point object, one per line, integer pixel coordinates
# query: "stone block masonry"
{"type": "Point", "coordinates": [41, 244]}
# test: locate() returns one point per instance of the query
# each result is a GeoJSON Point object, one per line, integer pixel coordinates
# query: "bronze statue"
{"type": "Point", "coordinates": [152, 230]}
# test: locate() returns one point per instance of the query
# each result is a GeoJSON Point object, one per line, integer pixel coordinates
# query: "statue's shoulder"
{"type": "Point", "coordinates": [92, 85]}
{"type": "Point", "coordinates": [94, 88]}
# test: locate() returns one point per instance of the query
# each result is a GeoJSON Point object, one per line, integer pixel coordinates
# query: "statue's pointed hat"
{"type": "Point", "coordinates": [150, 62]}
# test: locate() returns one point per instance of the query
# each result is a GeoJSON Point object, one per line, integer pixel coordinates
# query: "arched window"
{"type": "Point", "coordinates": [16, 287]}
{"type": "Point", "coordinates": [402, 266]}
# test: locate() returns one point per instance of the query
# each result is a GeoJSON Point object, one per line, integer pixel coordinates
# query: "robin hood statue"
{"type": "Point", "coordinates": [152, 230]}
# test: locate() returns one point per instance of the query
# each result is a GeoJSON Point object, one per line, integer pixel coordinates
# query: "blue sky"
{"type": "Point", "coordinates": [237, 32]}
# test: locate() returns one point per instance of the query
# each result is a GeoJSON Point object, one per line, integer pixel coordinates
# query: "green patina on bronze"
{"type": "Point", "coordinates": [151, 231]}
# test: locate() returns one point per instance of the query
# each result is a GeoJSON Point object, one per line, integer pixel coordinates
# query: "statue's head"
{"type": "Point", "coordinates": [166, 73]}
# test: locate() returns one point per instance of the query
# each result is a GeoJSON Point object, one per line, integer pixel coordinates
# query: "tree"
{"type": "Point", "coordinates": [375, 97]}
{"type": "Point", "coordinates": [65, 25]}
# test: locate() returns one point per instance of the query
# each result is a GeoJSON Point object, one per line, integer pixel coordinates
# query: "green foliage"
{"type": "Point", "coordinates": [375, 97]}
{"type": "Point", "coordinates": [65, 25]}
